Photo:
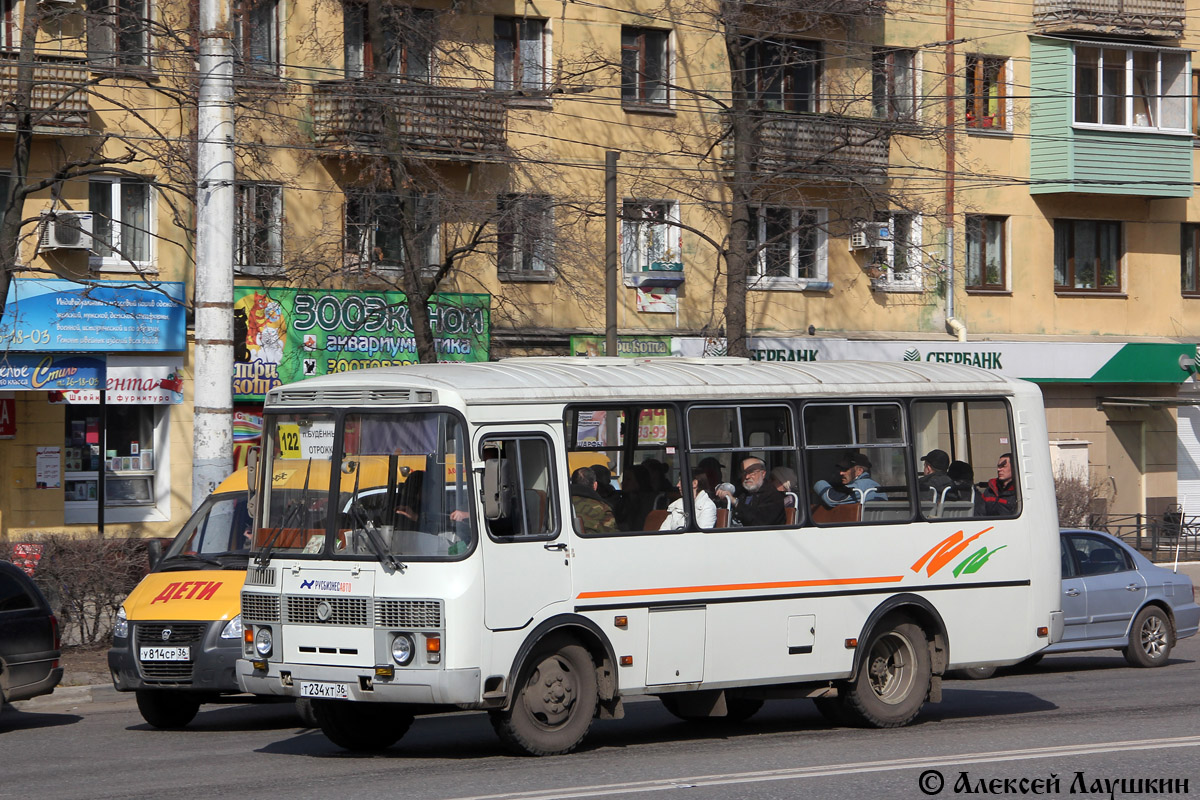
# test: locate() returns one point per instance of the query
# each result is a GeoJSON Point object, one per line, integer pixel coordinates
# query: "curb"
{"type": "Point", "coordinates": [65, 696]}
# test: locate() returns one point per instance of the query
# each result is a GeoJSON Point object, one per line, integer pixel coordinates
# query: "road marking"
{"type": "Point", "coordinates": [829, 770]}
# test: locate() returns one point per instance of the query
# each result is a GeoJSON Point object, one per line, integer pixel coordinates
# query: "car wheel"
{"type": "Point", "coordinates": [362, 727]}
{"type": "Point", "coordinates": [737, 709]}
{"type": "Point", "coordinates": [1150, 638]}
{"type": "Point", "coordinates": [554, 706]}
{"type": "Point", "coordinates": [164, 709]}
{"type": "Point", "coordinates": [304, 708]}
{"type": "Point", "coordinates": [893, 680]}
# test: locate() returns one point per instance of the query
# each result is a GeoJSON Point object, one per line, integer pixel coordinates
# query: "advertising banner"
{"type": "Point", "coordinates": [1048, 362]}
{"type": "Point", "coordinates": [8, 417]}
{"type": "Point", "coordinates": [283, 335]}
{"type": "Point", "coordinates": [627, 346]}
{"type": "Point", "coordinates": [28, 372]}
{"type": "Point", "coordinates": [42, 315]}
{"type": "Point", "coordinates": [134, 381]}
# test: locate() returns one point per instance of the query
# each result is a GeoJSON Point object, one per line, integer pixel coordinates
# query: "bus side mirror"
{"type": "Point", "coordinates": [251, 479]}
{"type": "Point", "coordinates": [153, 553]}
{"type": "Point", "coordinates": [497, 488]}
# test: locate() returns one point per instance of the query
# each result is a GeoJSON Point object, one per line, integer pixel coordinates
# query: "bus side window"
{"type": "Point", "coordinates": [974, 436]}
{"type": "Point", "coordinates": [525, 466]}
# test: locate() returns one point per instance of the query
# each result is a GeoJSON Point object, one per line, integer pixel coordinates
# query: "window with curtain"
{"type": "Point", "coordinates": [520, 54]}
{"type": "Point", "coordinates": [893, 84]}
{"type": "Point", "coordinates": [788, 245]}
{"type": "Point", "coordinates": [525, 245]}
{"type": "Point", "coordinates": [256, 37]}
{"type": "Point", "coordinates": [1142, 88]}
{"type": "Point", "coordinates": [987, 93]}
{"type": "Point", "coordinates": [378, 225]}
{"type": "Point", "coordinates": [1189, 258]}
{"type": "Point", "coordinates": [120, 221]}
{"type": "Point", "coordinates": [645, 66]}
{"type": "Point", "coordinates": [118, 33]}
{"type": "Point", "coordinates": [785, 75]}
{"type": "Point", "coordinates": [648, 240]}
{"type": "Point", "coordinates": [1087, 255]}
{"type": "Point", "coordinates": [986, 252]}
{"type": "Point", "coordinates": [260, 227]}
{"type": "Point", "coordinates": [408, 36]}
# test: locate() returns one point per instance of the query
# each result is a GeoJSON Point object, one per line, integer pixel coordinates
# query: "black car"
{"type": "Point", "coordinates": [29, 639]}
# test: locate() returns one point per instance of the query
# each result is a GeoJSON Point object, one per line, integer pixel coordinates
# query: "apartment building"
{"type": "Point", "coordinates": [975, 183]}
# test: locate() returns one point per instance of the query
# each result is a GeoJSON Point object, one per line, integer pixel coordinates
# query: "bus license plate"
{"type": "Point", "coordinates": [333, 691]}
{"type": "Point", "coordinates": [166, 653]}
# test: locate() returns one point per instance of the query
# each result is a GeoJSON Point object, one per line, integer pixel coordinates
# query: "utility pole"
{"type": "Point", "coordinates": [212, 431]}
{"type": "Point", "coordinates": [610, 253]}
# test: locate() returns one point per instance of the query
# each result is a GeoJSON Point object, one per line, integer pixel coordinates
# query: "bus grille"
{"type": "Point", "coordinates": [408, 614]}
{"type": "Point", "coordinates": [302, 609]}
{"type": "Point", "coordinates": [182, 633]}
{"type": "Point", "coordinates": [260, 607]}
{"type": "Point", "coordinates": [260, 576]}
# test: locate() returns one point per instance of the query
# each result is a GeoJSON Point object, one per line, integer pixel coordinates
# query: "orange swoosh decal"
{"type": "Point", "coordinates": [734, 587]}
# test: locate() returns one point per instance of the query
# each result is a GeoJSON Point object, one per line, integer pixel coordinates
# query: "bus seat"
{"type": "Point", "coordinates": [886, 510]}
{"type": "Point", "coordinates": [655, 519]}
{"type": "Point", "coordinates": [847, 512]}
{"type": "Point", "coordinates": [789, 515]}
{"type": "Point", "coordinates": [722, 518]}
{"type": "Point", "coordinates": [535, 503]}
{"type": "Point", "coordinates": [957, 509]}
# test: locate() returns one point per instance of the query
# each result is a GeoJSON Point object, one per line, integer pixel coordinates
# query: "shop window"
{"type": "Point", "coordinates": [126, 450]}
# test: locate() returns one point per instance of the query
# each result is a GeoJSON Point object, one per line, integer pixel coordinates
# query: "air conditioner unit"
{"type": "Point", "coordinates": [868, 235]}
{"type": "Point", "coordinates": [66, 230]}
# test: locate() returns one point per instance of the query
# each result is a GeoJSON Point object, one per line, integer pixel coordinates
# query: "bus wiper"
{"type": "Point", "coordinates": [193, 557]}
{"type": "Point", "coordinates": [382, 551]}
{"type": "Point", "coordinates": [264, 554]}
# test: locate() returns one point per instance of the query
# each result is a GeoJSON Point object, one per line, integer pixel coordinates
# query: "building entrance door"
{"type": "Point", "coordinates": [1127, 466]}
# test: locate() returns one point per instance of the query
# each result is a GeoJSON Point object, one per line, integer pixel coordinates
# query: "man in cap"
{"type": "Point", "coordinates": [854, 482]}
{"type": "Point", "coordinates": [757, 502]}
{"type": "Point", "coordinates": [935, 479]}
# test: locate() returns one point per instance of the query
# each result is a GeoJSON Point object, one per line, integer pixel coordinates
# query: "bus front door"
{"type": "Point", "coordinates": [526, 559]}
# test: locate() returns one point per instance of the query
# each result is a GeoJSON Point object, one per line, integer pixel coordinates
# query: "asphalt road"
{"type": "Point", "coordinates": [1086, 718]}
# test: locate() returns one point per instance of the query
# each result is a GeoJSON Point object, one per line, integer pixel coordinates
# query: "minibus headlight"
{"type": "Point", "coordinates": [121, 626]}
{"type": "Point", "coordinates": [262, 642]}
{"type": "Point", "coordinates": [233, 628]}
{"type": "Point", "coordinates": [403, 649]}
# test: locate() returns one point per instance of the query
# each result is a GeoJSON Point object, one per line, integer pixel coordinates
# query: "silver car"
{"type": "Point", "coordinates": [1114, 597]}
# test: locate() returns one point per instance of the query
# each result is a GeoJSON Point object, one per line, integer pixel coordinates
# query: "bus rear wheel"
{"type": "Point", "coordinates": [167, 709]}
{"type": "Point", "coordinates": [554, 706]}
{"type": "Point", "coordinates": [893, 680]}
{"type": "Point", "coordinates": [361, 727]}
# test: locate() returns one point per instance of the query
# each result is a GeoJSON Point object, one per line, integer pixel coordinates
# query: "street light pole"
{"type": "Point", "coordinates": [212, 431]}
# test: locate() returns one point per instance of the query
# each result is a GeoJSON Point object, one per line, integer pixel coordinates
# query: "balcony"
{"type": "Point", "coordinates": [1153, 18]}
{"type": "Point", "coordinates": [416, 121]}
{"type": "Point", "coordinates": [59, 99]}
{"type": "Point", "coordinates": [823, 148]}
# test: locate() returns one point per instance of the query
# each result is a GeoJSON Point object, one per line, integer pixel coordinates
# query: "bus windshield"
{"type": "Point", "coordinates": [398, 490]}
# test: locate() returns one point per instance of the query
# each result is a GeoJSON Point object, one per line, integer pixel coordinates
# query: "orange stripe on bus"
{"type": "Point", "coordinates": [736, 587]}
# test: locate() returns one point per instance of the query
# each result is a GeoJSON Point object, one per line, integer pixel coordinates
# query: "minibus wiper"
{"type": "Point", "coordinates": [192, 557]}
{"type": "Point", "coordinates": [389, 562]}
{"type": "Point", "coordinates": [264, 554]}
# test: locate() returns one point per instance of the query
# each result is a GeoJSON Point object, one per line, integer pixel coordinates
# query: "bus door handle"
{"type": "Point", "coordinates": [559, 546]}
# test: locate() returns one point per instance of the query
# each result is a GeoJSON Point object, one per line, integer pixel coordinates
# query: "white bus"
{"type": "Point", "coordinates": [491, 536]}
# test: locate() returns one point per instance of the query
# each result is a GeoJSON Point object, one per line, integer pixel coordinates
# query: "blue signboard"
{"type": "Point", "coordinates": [24, 372]}
{"type": "Point", "coordinates": [103, 316]}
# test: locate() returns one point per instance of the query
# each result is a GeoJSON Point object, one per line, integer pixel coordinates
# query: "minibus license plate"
{"type": "Point", "coordinates": [337, 691]}
{"type": "Point", "coordinates": [166, 653]}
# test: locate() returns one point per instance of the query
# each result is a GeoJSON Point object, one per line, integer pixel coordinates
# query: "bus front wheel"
{"type": "Point", "coordinates": [893, 680]}
{"type": "Point", "coordinates": [555, 703]}
{"type": "Point", "coordinates": [167, 709]}
{"type": "Point", "coordinates": [361, 727]}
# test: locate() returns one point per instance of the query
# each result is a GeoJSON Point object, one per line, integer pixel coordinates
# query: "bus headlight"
{"type": "Point", "coordinates": [121, 626]}
{"type": "Point", "coordinates": [403, 649]}
{"type": "Point", "coordinates": [262, 642]}
{"type": "Point", "coordinates": [233, 628]}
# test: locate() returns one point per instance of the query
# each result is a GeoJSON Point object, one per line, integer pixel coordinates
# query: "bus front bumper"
{"type": "Point", "coordinates": [459, 687]}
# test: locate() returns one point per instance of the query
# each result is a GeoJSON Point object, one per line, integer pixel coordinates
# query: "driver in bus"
{"type": "Point", "coordinates": [757, 502]}
{"type": "Point", "coordinates": [854, 482]}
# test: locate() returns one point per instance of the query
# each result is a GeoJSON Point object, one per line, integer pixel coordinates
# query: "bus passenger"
{"type": "Point", "coordinates": [998, 496]}
{"type": "Point", "coordinates": [758, 502]}
{"type": "Point", "coordinates": [854, 482]}
{"type": "Point", "coordinates": [706, 510]}
{"type": "Point", "coordinates": [935, 479]}
{"type": "Point", "coordinates": [964, 480]}
{"type": "Point", "coordinates": [785, 480]}
{"type": "Point", "coordinates": [594, 514]}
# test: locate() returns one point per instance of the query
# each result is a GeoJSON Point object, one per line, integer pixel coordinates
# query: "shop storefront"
{"type": "Point", "coordinates": [1111, 407]}
{"type": "Point", "coordinates": [93, 373]}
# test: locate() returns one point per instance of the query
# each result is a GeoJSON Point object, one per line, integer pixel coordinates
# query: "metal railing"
{"type": "Point", "coordinates": [1159, 537]}
{"type": "Point", "coordinates": [59, 98]}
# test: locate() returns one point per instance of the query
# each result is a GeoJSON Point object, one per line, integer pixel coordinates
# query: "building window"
{"type": "Point", "coordinates": [260, 227]}
{"type": "Point", "coordinates": [788, 244]}
{"type": "Point", "coordinates": [986, 252]}
{"type": "Point", "coordinates": [1087, 255]}
{"type": "Point", "coordinates": [987, 93]}
{"type": "Point", "coordinates": [408, 37]}
{"type": "Point", "coordinates": [382, 229]}
{"type": "Point", "coordinates": [893, 84]}
{"type": "Point", "coordinates": [118, 33]}
{"type": "Point", "coordinates": [256, 37]}
{"type": "Point", "coordinates": [1189, 259]}
{"type": "Point", "coordinates": [1196, 104]}
{"type": "Point", "coordinates": [645, 66]}
{"type": "Point", "coordinates": [8, 25]}
{"type": "Point", "coordinates": [520, 54]}
{"type": "Point", "coordinates": [785, 76]}
{"type": "Point", "coordinates": [525, 244]}
{"type": "Point", "coordinates": [649, 240]}
{"type": "Point", "coordinates": [897, 262]}
{"type": "Point", "coordinates": [120, 222]}
{"type": "Point", "coordinates": [1133, 88]}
